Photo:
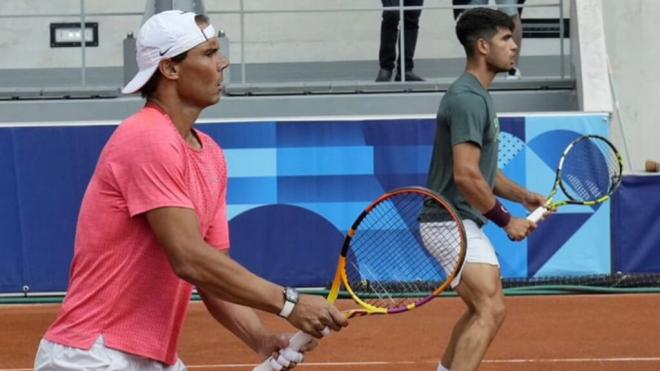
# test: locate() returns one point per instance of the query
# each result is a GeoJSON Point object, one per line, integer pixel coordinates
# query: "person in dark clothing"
{"type": "Point", "coordinates": [389, 40]}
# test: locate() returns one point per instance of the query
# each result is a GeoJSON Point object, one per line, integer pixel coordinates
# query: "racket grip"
{"type": "Point", "coordinates": [295, 343]}
{"type": "Point", "coordinates": [537, 214]}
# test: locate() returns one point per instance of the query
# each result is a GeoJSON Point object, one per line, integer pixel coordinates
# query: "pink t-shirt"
{"type": "Point", "coordinates": [121, 283]}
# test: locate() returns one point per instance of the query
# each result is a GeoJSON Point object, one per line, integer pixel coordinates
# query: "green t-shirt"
{"type": "Point", "coordinates": [466, 114]}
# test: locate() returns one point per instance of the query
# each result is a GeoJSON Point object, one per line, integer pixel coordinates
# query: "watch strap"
{"type": "Point", "coordinates": [287, 309]}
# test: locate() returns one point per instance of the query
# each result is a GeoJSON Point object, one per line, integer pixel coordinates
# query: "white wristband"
{"type": "Point", "coordinates": [287, 309]}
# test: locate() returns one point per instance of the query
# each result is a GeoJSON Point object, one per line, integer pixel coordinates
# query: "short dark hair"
{"type": "Point", "coordinates": [150, 86]}
{"type": "Point", "coordinates": [480, 23]}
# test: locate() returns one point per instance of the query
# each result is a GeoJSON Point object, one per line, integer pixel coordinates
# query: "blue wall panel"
{"type": "Point", "coordinates": [294, 189]}
{"type": "Point", "coordinates": [11, 244]}
{"type": "Point", "coordinates": [50, 168]}
{"type": "Point", "coordinates": [636, 225]}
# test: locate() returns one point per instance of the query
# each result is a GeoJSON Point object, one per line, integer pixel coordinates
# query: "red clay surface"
{"type": "Point", "coordinates": [578, 333]}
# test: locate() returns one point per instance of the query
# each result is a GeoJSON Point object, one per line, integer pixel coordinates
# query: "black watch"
{"type": "Point", "coordinates": [290, 300]}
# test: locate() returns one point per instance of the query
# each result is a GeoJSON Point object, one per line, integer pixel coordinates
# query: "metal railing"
{"type": "Point", "coordinates": [400, 8]}
{"type": "Point", "coordinates": [242, 12]}
{"type": "Point", "coordinates": [82, 15]}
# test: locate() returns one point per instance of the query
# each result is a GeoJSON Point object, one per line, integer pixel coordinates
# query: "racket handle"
{"type": "Point", "coordinates": [537, 214]}
{"type": "Point", "coordinates": [295, 343]}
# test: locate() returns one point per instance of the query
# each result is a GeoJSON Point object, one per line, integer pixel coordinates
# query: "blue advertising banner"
{"type": "Point", "coordinates": [636, 226]}
{"type": "Point", "coordinates": [295, 187]}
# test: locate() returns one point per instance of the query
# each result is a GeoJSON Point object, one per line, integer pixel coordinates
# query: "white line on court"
{"type": "Point", "coordinates": [575, 360]}
{"type": "Point", "coordinates": [376, 363]}
{"type": "Point", "coordinates": [308, 364]}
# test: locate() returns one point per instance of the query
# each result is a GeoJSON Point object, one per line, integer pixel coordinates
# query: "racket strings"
{"type": "Point", "coordinates": [388, 218]}
{"type": "Point", "coordinates": [590, 170]}
{"type": "Point", "coordinates": [370, 257]}
{"type": "Point", "coordinates": [394, 260]}
{"type": "Point", "coordinates": [424, 270]}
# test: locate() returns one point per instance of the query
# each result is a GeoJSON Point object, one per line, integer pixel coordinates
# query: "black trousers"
{"type": "Point", "coordinates": [389, 34]}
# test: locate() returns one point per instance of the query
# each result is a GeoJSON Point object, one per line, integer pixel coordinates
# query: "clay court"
{"type": "Point", "coordinates": [541, 333]}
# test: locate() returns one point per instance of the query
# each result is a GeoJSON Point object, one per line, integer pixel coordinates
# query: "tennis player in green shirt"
{"type": "Point", "coordinates": [464, 170]}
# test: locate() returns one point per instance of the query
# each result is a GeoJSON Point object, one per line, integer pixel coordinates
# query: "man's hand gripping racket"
{"type": "Point", "coordinates": [402, 251]}
{"type": "Point", "coordinates": [589, 172]}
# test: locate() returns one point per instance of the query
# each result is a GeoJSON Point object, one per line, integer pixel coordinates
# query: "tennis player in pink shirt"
{"type": "Point", "coordinates": [153, 223]}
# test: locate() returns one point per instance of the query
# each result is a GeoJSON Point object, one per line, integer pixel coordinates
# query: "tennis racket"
{"type": "Point", "coordinates": [589, 172]}
{"type": "Point", "coordinates": [403, 250]}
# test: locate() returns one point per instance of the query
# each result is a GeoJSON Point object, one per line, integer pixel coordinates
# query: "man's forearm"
{"type": "Point", "coordinates": [506, 188]}
{"type": "Point", "coordinates": [240, 320]}
{"type": "Point", "coordinates": [219, 275]}
{"type": "Point", "coordinates": [192, 259]}
{"type": "Point", "coordinates": [475, 190]}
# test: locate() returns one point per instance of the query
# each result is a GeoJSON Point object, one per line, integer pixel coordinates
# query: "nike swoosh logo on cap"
{"type": "Point", "coordinates": [163, 53]}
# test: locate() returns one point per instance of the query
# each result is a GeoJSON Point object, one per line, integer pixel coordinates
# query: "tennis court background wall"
{"type": "Point", "coordinates": [295, 186]}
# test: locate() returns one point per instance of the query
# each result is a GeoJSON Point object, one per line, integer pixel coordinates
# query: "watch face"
{"type": "Point", "coordinates": [291, 295]}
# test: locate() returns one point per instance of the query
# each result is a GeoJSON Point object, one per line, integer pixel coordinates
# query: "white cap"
{"type": "Point", "coordinates": [164, 36]}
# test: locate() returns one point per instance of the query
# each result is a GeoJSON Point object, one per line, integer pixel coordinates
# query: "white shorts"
{"type": "Point", "coordinates": [56, 357]}
{"type": "Point", "coordinates": [479, 248]}
{"type": "Point", "coordinates": [510, 10]}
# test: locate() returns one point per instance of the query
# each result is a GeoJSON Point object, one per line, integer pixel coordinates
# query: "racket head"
{"type": "Point", "coordinates": [404, 249]}
{"type": "Point", "coordinates": [590, 170]}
